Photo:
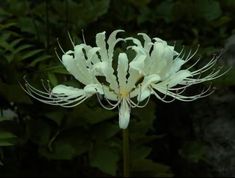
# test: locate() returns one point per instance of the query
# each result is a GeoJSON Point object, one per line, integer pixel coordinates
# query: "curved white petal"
{"type": "Point", "coordinates": [67, 90]}
{"type": "Point", "coordinates": [101, 43]}
{"type": "Point", "coordinates": [124, 114]}
{"type": "Point", "coordinates": [122, 70]}
{"type": "Point", "coordinates": [104, 69]}
{"type": "Point", "coordinates": [136, 70]}
{"type": "Point", "coordinates": [72, 67]}
{"type": "Point", "coordinates": [145, 93]}
{"type": "Point", "coordinates": [93, 89]}
{"type": "Point", "coordinates": [175, 79]}
{"type": "Point", "coordinates": [112, 41]}
{"type": "Point", "coordinates": [147, 42]}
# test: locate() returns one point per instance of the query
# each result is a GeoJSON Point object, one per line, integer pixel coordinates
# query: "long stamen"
{"type": "Point", "coordinates": [60, 45]}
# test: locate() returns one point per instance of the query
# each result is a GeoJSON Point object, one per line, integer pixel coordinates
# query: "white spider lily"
{"type": "Point", "coordinates": [155, 69]}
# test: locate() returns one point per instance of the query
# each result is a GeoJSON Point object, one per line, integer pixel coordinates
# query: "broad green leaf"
{"type": "Point", "coordinates": [83, 114]}
{"type": "Point", "coordinates": [193, 151]}
{"type": "Point", "coordinates": [26, 24]}
{"type": "Point", "coordinates": [104, 131]}
{"type": "Point", "coordinates": [143, 122]}
{"type": "Point", "coordinates": [6, 135]}
{"type": "Point", "coordinates": [105, 158]}
{"type": "Point", "coordinates": [6, 142]}
{"type": "Point", "coordinates": [39, 131]}
{"type": "Point", "coordinates": [165, 10]}
{"type": "Point", "coordinates": [139, 152]}
{"type": "Point", "coordinates": [56, 116]}
{"type": "Point", "coordinates": [148, 168]}
{"type": "Point", "coordinates": [62, 151]}
{"type": "Point", "coordinates": [14, 93]}
{"type": "Point", "coordinates": [7, 138]}
{"type": "Point", "coordinates": [67, 145]}
{"type": "Point", "coordinates": [208, 9]}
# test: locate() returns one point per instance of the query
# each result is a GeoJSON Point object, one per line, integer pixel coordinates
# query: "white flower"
{"type": "Point", "coordinates": [156, 69]}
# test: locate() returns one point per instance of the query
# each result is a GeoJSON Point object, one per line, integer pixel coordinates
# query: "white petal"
{"type": "Point", "coordinates": [68, 91]}
{"type": "Point", "coordinates": [104, 69]}
{"type": "Point", "coordinates": [145, 93]}
{"type": "Point", "coordinates": [175, 79]}
{"type": "Point", "coordinates": [147, 42]}
{"type": "Point", "coordinates": [124, 115]}
{"type": "Point", "coordinates": [161, 56]}
{"type": "Point", "coordinates": [72, 66]}
{"type": "Point", "coordinates": [93, 88]}
{"type": "Point", "coordinates": [112, 41]}
{"type": "Point", "coordinates": [101, 43]}
{"type": "Point", "coordinates": [92, 56]}
{"type": "Point", "coordinates": [122, 70]}
{"type": "Point", "coordinates": [136, 70]}
{"type": "Point", "coordinates": [150, 79]}
{"type": "Point", "coordinates": [135, 41]}
{"type": "Point", "coordinates": [110, 95]}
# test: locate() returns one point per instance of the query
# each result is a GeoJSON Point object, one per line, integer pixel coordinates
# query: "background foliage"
{"type": "Point", "coordinates": [178, 139]}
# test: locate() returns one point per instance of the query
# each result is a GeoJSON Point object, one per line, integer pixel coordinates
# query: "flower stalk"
{"type": "Point", "coordinates": [126, 153]}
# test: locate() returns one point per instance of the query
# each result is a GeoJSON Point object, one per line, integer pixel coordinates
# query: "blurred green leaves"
{"type": "Point", "coordinates": [7, 138]}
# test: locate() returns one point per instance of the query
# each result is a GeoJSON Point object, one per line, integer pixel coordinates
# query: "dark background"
{"type": "Point", "coordinates": [178, 139]}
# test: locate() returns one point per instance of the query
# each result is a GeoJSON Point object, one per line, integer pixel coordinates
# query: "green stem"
{"type": "Point", "coordinates": [126, 155]}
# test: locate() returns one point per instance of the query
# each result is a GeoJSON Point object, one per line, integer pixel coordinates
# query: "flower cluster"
{"type": "Point", "coordinates": [156, 69]}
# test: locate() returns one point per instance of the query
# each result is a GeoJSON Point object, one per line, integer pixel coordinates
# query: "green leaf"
{"type": "Point", "coordinates": [22, 48]}
{"type": "Point", "coordinates": [60, 69]}
{"type": "Point", "coordinates": [52, 78]}
{"type": "Point", "coordinates": [104, 131]}
{"type": "Point", "coordinates": [14, 93]}
{"type": "Point", "coordinates": [62, 151]}
{"type": "Point", "coordinates": [193, 151]}
{"type": "Point", "coordinates": [56, 116]}
{"type": "Point", "coordinates": [105, 158]}
{"type": "Point", "coordinates": [6, 142]}
{"type": "Point", "coordinates": [140, 152]}
{"type": "Point", "coordinates": [165, 10]}
{"type": "Point", "coordinates": [26, 25]}
{"type": "Point", "coordinates": [39, 59]}
{"type": "Point", "coordinates": [5, 45]}
{"type": "Point", "coordinates": [39, 131]}
{"type": "Point", "coordinates": [6, 135]}
{"type": "Point", "coordinates": [208, 9]}
{"type": "Point", "coordinates": [16, 41]}
{"type": "Point", "coordinates": [83, 115]}
{"type": "Point", "coordinates": [67, 145]}
{"type": "Point", "coordinates": [143, 122]}
{"type": "Point", "coordinates": [87, 11]}
{"type": "Point", "coordinates": [148, 168]}
{"type": "Point", "coordinates": [7, 138]}
{"type": "Point", "coordinates": [31, 54]}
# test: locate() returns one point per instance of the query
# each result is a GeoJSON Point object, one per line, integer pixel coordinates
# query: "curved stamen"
{"type": "Point", "coordinates": [71, 40]}
{"type": "Point", "coordinates": [108, 108]}
{"type": "Point", "coordinates": [56, 53]}
{"type": "Point", "coordinates": [57, 40]}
